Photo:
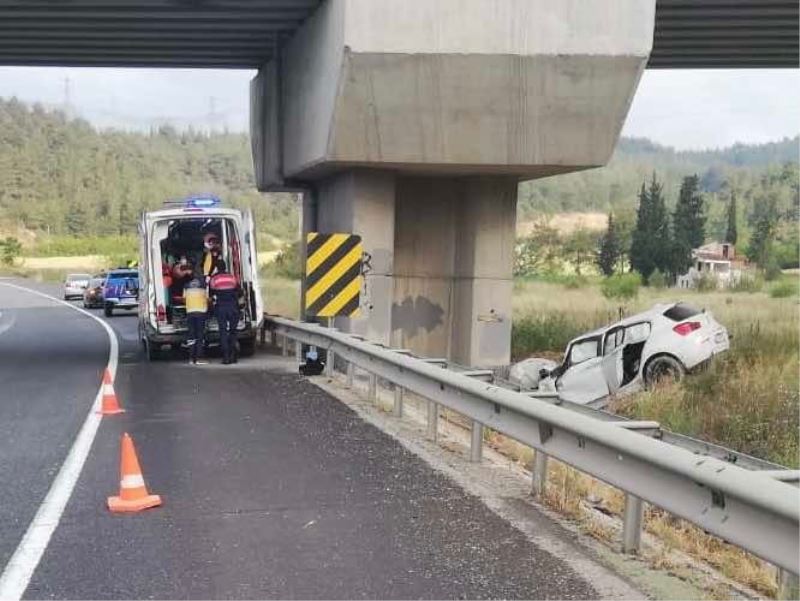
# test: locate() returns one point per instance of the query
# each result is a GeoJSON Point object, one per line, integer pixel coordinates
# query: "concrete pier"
{"type": "Point", "coordinates": [411, 123]}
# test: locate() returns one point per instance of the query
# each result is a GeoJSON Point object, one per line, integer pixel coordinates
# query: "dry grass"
{"type": "Point", "coordinates": [566, 223]}
{"type": "Point", "coordinates": [731, 561]}
{"type": "Point", "coordinates": [570, 493]}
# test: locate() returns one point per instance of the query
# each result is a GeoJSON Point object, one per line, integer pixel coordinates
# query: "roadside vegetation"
{"type": "Point", "coordinates": [748, 399]}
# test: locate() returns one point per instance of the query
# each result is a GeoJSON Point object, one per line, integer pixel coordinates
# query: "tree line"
{"type": "Point", "coordinates": [63, 179]}
{"type": "Point", "coordinates": [657, 242]}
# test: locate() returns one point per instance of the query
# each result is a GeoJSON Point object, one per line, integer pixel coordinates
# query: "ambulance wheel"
{"type": "Point", "coordinates": [152, 351]}
{"type": "Point", "coordinates": [247, 347]}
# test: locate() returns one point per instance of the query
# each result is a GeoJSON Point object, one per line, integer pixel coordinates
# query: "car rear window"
{"type": "Point", "coordinates": [681, 311]}
{"type": "Point", "coordinates": [77, 277]}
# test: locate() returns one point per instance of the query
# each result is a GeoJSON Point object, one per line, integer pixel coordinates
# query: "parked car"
{"type": "Point", "coordinates": [75, 284]}
{"type": "Point", "coordinates": [667, 341]}
{"type": "Point", "coordinates": [93, 295]}
{"type": "Point", "coordinates": [120, 291]}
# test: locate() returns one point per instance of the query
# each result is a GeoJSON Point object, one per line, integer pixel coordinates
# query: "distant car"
{"type": "Point", "coordinates": [120, 291]}
{"type": "Point", "coordinates": [664, 342]}
{"type": "Point", "coordinates": [75, 284]}
{"type": "Point", "coordinates": [93, 295]}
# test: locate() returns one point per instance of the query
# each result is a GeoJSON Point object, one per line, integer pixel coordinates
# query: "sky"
{"type": "Point", "coordinates": [686, 109]}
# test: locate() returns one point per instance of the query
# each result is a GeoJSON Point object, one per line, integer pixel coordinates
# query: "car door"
{"type": "Point", "coordinates": [611, 365]}
{"type": "Point", "coordinates": [583, 380]}
{"type": "Point", "coordinates": [251, 267]}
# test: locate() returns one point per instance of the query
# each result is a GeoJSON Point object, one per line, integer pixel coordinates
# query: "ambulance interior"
{"type": "Point", "coordinates": [183, 242]}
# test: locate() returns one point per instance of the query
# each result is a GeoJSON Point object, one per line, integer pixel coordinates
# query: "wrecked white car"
{"type": "Point", "coordinates": [667, 341]}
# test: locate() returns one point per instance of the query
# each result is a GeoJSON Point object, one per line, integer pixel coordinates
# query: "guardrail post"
{"type": "Point", "coordinates": [476, 442]}
{"type": "Point", "coordinates": [373, 388]}
{"type": "Point", "coordinates": [788, 585]}
{"type": "Point", "coordinates": [330, 368]}
{"type": "Point", "coordinates": [397, 408]}
{"type": "Point", "coordinates": [540, 462]}
{"type": "Point", "coordinates": [285, 345]}
{"type": "Point", "coordinates": [273, 338]}
{"type": "Point", "coordinates": [433, 420]}
{"type": "Point", "coordinates": [298, 350]}
{"type": "Point", "coordinates": [351, 369]}
{"type": "Point", "coordinates": [632, 524]}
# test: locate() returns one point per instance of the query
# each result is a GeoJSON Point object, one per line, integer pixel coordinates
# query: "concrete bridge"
{"type": "Point", "coordinates": [411, 122]}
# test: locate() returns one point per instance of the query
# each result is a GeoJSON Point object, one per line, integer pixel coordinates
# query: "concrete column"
{"type": "Point", "coordinates": [454, 245]}
{"type": "Point", "coordinates": [363, 202]}
{"type": "Point", "coordinates": [484, 263]}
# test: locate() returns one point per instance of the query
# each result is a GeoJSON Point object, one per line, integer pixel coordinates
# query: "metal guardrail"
{"type": "Point", "coordinates": [743, 500]}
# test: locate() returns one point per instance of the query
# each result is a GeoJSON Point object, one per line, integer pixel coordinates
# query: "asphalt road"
{"type": "Point", "coordinates": [271, 487]}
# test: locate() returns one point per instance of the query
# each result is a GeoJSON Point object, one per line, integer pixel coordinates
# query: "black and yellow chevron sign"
{"type": "Point", "coordinates": [333, 274]}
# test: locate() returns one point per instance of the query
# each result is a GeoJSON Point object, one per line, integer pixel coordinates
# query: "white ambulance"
{"type": "Point", "coordinates": [176, 234]}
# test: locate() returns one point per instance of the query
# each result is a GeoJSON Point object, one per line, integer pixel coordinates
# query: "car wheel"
{"type": "Point", "coordinates": [663, 369]}
{"type": "Point", "coordinates": [109, 311]}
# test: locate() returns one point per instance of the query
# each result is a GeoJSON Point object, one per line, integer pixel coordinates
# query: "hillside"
{"type": "Point", "coordinates": [615, 187]}
{"type": "Point", "coordinates": [65, 178]}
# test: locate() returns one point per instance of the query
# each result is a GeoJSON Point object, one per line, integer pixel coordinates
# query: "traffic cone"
{"type": "Point", "coordinates": [133, 495]}
{"type": "Point", "coordinates": [110, 402]}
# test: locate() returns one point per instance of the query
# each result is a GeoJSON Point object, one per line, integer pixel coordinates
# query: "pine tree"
{"type": "Point", "coordinates": [688, 227]}
{"type": "Point", "coordinates": [609, 252]}
{"type": "Point", "coordinates": [732, 235]}
{"type": "Point", "coordinates": [765, 220]}
{"type": "Point", "coordinates": [651, 247]}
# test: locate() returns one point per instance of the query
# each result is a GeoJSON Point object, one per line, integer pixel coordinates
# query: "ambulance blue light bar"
{"type": "Point", "coordinates": [202, 202]}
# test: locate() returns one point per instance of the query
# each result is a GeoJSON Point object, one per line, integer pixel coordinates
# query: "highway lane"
{"type": "Point", "coordinates": [274, 489]}
{"type": "Point", "coordinates": [51, 362]}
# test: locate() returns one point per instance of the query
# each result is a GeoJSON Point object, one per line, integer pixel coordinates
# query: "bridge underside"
{"type": "Point", "coordinates": [244, 33]}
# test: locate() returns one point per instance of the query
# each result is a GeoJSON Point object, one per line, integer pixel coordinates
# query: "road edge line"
{"type": "Point", "coordinates": [19, 570]}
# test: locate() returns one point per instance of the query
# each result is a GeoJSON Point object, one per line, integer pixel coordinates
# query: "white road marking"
{"type": "Point", "coordinates": [8, 323]}
{"type": "Point", "coordinates": [17, 574]}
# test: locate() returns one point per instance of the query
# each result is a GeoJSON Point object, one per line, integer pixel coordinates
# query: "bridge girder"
{"type": "Point", "coordinates": [245, 33]}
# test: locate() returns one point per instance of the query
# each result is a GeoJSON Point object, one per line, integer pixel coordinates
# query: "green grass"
{"type": "Point", "coordinates": [785, 288]}
{"type": "Point", "coordinates": [69, 246]}
{"type": "Point", "coordinates": [281, 295]}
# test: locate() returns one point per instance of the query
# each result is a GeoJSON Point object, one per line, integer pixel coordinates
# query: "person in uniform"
{"type": "Point", "coordinates": [225, 294]}
{"type": "Point", "coordinates": [213, 263]}
{"type": "Point", "coordinates": [196, 314]}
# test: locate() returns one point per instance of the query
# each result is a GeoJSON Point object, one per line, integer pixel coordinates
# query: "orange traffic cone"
{"type": "Point", "coordinates": [133, 495]}
{"type": "Point", "coordinates": [110, 402]}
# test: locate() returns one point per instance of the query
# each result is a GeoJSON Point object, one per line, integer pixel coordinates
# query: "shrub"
{"type": "Point", "coordinates": [657, 280]}
{"type": "Point", "coordinates": [286, 264]}
{"type": "Point", "coordinates": [544, 332]}
{"type": "Point", "coordinates": [10, 249]}
{"type": "Point", "coordinates": [772, 271]}
{"type": "Point", "coordinates": [706, 283]}
{"type": "Point", "coordinates": [624, 286]}
{"type": "Point", "coordinates": [575, 282]}
{"type": "Point", "coordinates": [748, 282]}
{"type": "Point", "coordinates": [784, 289]}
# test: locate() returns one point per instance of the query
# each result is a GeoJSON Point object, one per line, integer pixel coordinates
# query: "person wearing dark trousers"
{"type": "Point", "coordinates": [225, 293]}
{"type": "Point", "coordinates": [196, 314]}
